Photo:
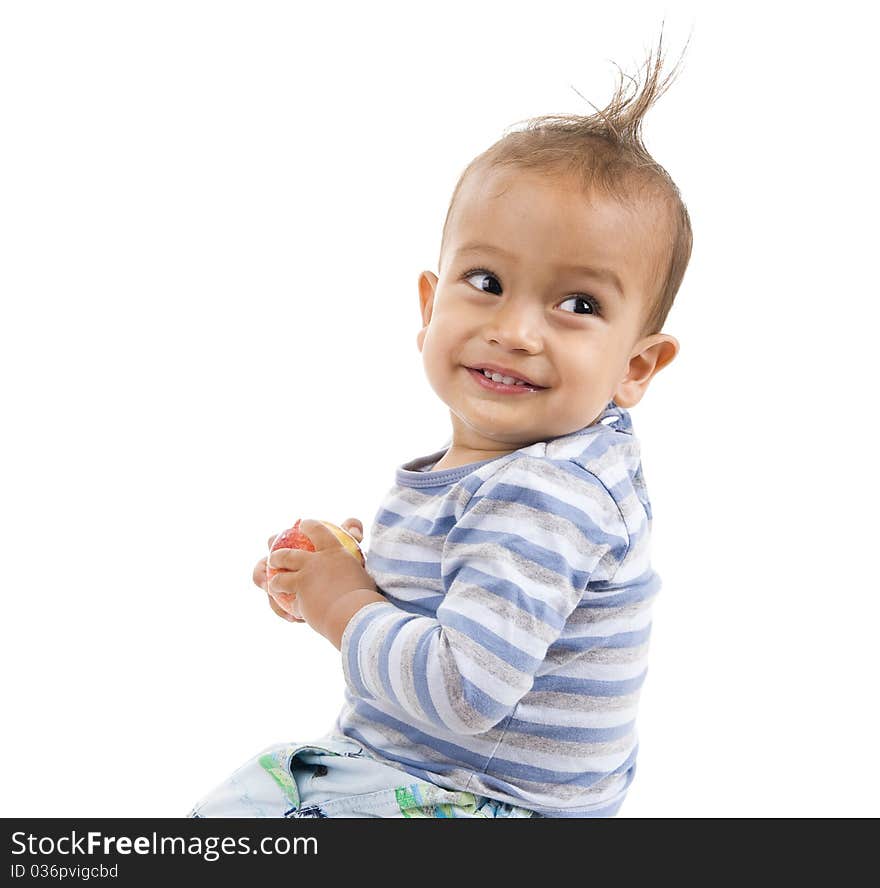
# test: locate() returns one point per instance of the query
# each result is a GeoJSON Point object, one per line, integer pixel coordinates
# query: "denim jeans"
{"type": "Point", "coordinates": [336, 777]}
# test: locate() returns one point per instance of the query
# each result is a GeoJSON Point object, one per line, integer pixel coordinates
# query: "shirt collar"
{"type": "Point", "coordinates": [616, 417]}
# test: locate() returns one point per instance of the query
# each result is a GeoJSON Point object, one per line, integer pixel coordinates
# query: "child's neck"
{"type": "Point", "coordinates": [457, 456]}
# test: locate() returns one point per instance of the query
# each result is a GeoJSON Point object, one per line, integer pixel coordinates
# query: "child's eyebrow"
{"type": "Point", "coordinates": [605, 274]}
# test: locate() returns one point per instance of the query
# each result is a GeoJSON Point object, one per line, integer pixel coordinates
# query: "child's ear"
{"type": "Point", "coordinates": [427, 285]}
{"type": "Point", "coordinates": [649, 356]}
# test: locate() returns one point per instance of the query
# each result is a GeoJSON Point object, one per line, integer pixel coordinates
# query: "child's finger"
{"type": "Point", "coordinates": [285, 602]}
{"type": "Point", "coordinates": [289, 559]}
{"type": "Point", "coordinates": [354, 527]}
{"type": "Point", "coordinates": [283, 585]}
{"type": "Point", "coordinates": [274, 605]}
{"type": "Point", "coordinates": [283, 613]}
{"type": "Point", "coordinates": [271, 540]}
{"type": "Point", "coordinates": [260, 575]}
{"type": "Point", "coordinates": [319, 534]}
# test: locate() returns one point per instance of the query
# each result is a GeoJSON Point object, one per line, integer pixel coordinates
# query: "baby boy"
{"type": "Point", "coordinates": [494, 645]}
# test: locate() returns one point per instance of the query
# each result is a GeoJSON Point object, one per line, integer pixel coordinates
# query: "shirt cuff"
{"type": "Point", "coordinates": [350, 648]}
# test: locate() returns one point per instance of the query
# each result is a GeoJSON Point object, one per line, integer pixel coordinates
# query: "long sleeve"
{"type": "Point", "coordinates": [514, 566]}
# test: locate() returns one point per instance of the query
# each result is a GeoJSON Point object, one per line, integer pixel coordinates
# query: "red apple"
{"type": "Point", "coordinates": [294, 538]}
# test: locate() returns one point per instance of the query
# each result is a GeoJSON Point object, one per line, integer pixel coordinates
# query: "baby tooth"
{"type": "Point", "coordinates": [497, 377]}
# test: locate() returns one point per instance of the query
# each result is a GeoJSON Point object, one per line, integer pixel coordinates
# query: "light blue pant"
{"type": "Point", "coordinates": [336, 777]}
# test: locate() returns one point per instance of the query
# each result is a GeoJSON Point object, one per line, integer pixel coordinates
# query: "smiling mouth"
{"type": "Point", "coordinates": [500, 382]}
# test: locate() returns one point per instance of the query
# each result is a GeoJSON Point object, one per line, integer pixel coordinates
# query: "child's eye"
{"type": "Point", "coordinates": [481, 272]}
{"type": "Point", "coordinates": [583, 304]}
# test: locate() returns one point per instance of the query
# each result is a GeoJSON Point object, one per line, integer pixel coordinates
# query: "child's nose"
{"type": "Point", "coordinates": [515, 326]}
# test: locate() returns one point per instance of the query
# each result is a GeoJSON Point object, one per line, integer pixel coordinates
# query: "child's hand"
{"type": "Point", "coordinates": [261, 581]}
{"type": "Point", "coordinates": [316, 583]}
{"type": "Point", "coordinates": [293, 614]}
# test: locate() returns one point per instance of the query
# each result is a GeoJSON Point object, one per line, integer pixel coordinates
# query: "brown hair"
{"type": "Point", "coordinates": [604, 150]}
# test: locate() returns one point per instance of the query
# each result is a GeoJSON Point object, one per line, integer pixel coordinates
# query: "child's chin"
{"type": "Point", "coordinates": [511, 434]}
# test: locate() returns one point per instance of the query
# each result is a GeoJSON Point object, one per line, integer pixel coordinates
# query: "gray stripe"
{"type": "Point", "coordinates": [398, 535]}
{"type": "Point", "coordinates": [530, 519]}
{"type": "Point", "coordinates": [606, 568]}
{"type": "Point", "coordinates": [579, 702]}
{"type": "Point", "coordinates": [417, 498]}
{"type": "Point", "coordinates": [582, 616]}
{"type": "Point", "coordinates": [566, 595]}
{"type": "Point", "coordinates": [405, 588]}
{"type": "Point", "coordinates": [369, 662]}
{"type": "Point", "coordinates": [599, 655]}
{"type": "Point", "coordinates": [591, 491]}
{"type": "Point", "coordinates": [567, 748]}
{"type": "Point", "coordinates": [410, 495]}
{"type": "Point", "coordinates": [411, 699]}
{"type": "Point", "coordinates": [507, 611]}
{"type": "Point", "coordinates": [552, 794]}
{"type": "Point", "coordinates": [627, 451]}
{"type": "Point", "coordinates": [408, 588]}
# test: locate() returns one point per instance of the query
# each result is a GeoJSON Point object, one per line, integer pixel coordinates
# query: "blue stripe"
{"type": "Point", "coordinates": [545, 558]}
{"type": "Point", "coordinates": [470, 536]}
{"type": "Point", "coordinates": [570, 733]}
{"type": "Point", "coordinates": [642, 493]}
{"type": "Point", "coordinates": [512, 593]}
{"type": "Point", "coordinates": [622, 489]}
{"type": "Point", "coordinates": [519, 772]}
{"type": "Point", "coordinates": [544, 502]}
{"type": "Point", "coordinates": [423, 569]}
{"type": "Point", "coordinates": [596, 447]}
{"type": "Point", "coordinates": [384, 659]}
{"type": "Point", "coordinates": [588, 687]}
{"type": "Point", "coordinates": [474, 482]}
{"type": "Point", "coordinates": [437, 528]}
{"type": "Point", "coordinates": [354, 641]}
{"type": "Point", "coordinates": [424, 607]}
{"type": "Point", "coordinates": [420, 674]}
{"type": "Point", "coordinates": [590, 642]}
{"type": "Point", "coordinates": [481, 702]}
{"type": "Point", "coordinates": [487, 639]}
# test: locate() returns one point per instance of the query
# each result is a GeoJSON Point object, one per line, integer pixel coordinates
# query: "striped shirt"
{"type": "Point", "coordinates": [508, 658]}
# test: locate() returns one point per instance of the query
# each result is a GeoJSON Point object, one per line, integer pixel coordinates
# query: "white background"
{"type": "Point", "coordinates": [212, 221]}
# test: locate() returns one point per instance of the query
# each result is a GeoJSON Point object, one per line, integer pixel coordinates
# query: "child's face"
{"type": "Point", "coordinates": [511, 296]}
